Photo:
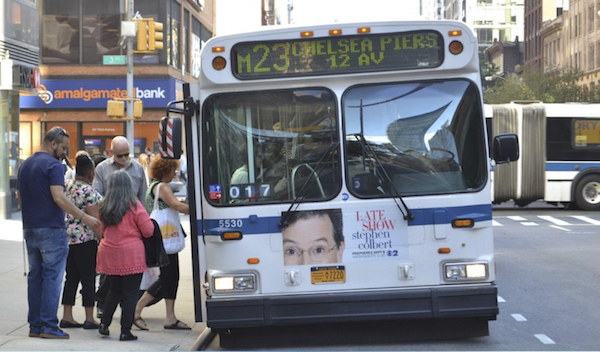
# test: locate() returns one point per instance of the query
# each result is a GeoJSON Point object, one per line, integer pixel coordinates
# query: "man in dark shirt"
{"type": "Point", "coordinates": [43, 203]}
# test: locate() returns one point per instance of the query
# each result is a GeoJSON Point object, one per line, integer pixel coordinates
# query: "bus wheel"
{"type": "Point", "coordinates": [587, 193]}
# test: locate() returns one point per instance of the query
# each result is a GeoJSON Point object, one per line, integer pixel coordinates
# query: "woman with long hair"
{"type": "Point", "coordinates": [121, 255]}
{"type": "Point", "coordinates": [163, 171]}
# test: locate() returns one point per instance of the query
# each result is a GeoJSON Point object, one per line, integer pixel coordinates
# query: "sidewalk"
{"type": "Point", "coordinates": [14, 329]}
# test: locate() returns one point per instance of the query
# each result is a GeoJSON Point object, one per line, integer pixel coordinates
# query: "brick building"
{"type": "Point", "coordinates": [75, 35]}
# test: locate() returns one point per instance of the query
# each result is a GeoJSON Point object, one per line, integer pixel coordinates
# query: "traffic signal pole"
{"type": "Point", "coordinates": [130, 94]}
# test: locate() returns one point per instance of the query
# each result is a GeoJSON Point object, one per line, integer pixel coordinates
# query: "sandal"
{"type": "Point", "coordinates": [140, 323]}
{"type": "Point", "coordinates": [179, 325]}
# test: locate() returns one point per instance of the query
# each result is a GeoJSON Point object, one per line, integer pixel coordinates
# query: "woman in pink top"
{"type": "Point", "coordinates": [121, 255]}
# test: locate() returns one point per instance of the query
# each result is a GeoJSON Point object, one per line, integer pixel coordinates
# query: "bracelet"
{"type": "Point", "coordinates": [82, 215]}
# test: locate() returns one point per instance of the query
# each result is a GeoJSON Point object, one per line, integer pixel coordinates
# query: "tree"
{"type": "Point", "coordinates": [558, 86]}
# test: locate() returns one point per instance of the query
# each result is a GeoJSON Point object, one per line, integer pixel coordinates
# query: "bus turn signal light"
{"type": "Point", "coordinates": [364, 29]}
{"type": "Point", "coordinates": [455, 33]}
{"type": "Point", "coordinates": [307, 34]}
{"type": "Point", "coordinates": [458, 223]}
{"type": "Point", "coordinates": [231, 236]}
{"type": "Point", "coordinates": [218, 49]}
{"type": "Point", "coordinates": [444, 250]}
{"type": "Point", "coordinates": [219, 63]}
{"type": "Point", "coordinates": [335, 32]}
{"type": "Point", "coordinates": [253, 261]}
{"type": "Point", "coordinates": [456, 47]}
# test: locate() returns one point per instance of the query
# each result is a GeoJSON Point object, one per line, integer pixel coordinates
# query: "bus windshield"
{"type": "Point", "coordinates": [414, 138]}
{"type": "Point", "coordinates": [276, 146]}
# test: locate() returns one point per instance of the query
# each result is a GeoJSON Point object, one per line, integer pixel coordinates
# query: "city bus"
{"type": "Point", "coordinates": [340, 173]}
{"type": "Point", "coordinates": [560, 160]}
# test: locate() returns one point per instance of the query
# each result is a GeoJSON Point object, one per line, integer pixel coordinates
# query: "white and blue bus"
{"type": "Point", "coordinates": [560, 153]}
{"type": "Point", "coordinates": [341, 173]}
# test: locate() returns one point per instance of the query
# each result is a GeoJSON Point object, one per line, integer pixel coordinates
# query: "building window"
{"type": "Point", "coordinates": [80, 32]}
{"type": "Point", "coordinates": [195, 47]}
{"type": "Point", "coordinates": [23, 24]}
{"type": "Point", "coordinates": [485, 35]}
{"type": "Point", "coordinates": [173, 34]}
{"type": "Point", "coordinates": [590, 58]}
{"type": "Point", "coordinates": [186, 42]}
{"type": "Point", "coordinates": [598, 57]}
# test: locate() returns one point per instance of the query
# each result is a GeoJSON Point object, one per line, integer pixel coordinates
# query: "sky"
{"type": "Point", "coordinates": [307, 12]}
{"type": "Point", "coordinates": [234, 16]}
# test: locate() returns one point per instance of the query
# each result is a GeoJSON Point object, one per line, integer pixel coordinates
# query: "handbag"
{"type": "Point", "coordinates": [149, 277]}
{"type": "Point", "coordinates": [170, 227]}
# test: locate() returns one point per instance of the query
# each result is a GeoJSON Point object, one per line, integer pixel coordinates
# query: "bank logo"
{"type": "Point", "coordinates": [45, 94]}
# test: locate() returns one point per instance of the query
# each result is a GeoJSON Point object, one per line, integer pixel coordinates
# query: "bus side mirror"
{"type": "Point", "coordinates": [170, 137]}
{"type": "Point", "coordinates": [506, 148]}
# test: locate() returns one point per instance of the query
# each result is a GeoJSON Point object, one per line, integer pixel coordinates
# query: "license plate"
{"type": "Point", "coordinates": [328, 274]}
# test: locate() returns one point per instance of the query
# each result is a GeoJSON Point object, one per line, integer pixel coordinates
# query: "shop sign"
{"type": "Point", "coordinates": [85, 94]}
{"type": "Point", "coordinates": [23, 77]}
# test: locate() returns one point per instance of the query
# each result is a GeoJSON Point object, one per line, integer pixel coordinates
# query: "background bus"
{"type": "Point", "coordinates": [560, 153]}
{"type": "Point", "coordinates": [340, 173]}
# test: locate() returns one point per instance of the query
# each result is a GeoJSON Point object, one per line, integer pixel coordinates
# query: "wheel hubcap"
{"type": "Point", "coordinates": [591, 193]}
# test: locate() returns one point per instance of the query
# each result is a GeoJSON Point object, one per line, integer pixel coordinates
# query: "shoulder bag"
{"type": "Point", "coordinates": [170, 227]}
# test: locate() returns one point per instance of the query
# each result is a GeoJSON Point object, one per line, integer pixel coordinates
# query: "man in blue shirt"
{"type": "Point", "coordinates": [43, 204]}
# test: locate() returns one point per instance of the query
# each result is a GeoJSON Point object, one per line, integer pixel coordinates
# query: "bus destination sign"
{"type": "Point", "coordinates": [335, 55]}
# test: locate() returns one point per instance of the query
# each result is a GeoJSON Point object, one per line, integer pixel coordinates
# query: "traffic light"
{"type": "Point", "coordinates": [155, 35]}
{"type": "Point", "coordinates": [142, 35]}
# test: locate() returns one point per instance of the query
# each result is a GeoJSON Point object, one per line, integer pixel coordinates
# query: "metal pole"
{"type": "Point", "coordinates": [129, 128]}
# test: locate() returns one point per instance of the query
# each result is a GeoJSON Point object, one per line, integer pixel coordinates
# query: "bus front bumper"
{"type": "Point", "coordinates": [426, 303]}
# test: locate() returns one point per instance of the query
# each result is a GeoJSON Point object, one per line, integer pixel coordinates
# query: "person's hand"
{"type": "Point", "coordinates": [92, 223]}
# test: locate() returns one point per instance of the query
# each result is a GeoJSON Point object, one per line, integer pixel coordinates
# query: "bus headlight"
{"type": "Point", "coordinates": [465, 271]}
{"type": "Point", "coordinates": [234, 283]}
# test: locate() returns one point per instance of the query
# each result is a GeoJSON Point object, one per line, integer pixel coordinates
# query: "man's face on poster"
{"type": "Point", "coordinates": [311, 241]}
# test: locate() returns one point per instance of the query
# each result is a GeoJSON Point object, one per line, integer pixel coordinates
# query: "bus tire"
{"type": "Point", "coordinates": [587, 193]}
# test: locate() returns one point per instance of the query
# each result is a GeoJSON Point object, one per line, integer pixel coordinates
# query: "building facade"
{"type": "Point", "coordinates": [536, 13]}
{"type": "Point", "coordinates": [77, 37]}
{"type": "Point", "coordinates": [19, 74]}
{"type": "Point", "coordinates": [572, 40]}
{"type": "Point", "coordinates": [491, 20]}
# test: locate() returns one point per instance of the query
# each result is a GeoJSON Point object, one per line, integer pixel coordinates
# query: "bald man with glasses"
{"type": "Point", "coordinates": [120, 160]}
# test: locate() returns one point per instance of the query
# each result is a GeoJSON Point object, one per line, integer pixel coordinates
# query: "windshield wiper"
{"type": "Point", "coordinates": [395, 194]}
{"type": "Point", "coordinates": [367, 148]}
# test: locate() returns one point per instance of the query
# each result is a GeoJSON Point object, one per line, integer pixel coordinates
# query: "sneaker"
{"type": "Point", "coordinates": [34, 331]}
{"type": "Point", "coordinates": [48, 333]}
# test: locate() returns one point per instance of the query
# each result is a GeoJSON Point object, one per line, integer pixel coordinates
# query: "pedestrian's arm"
{"type": "Point", "coordinates": [98, 183]}
{"type": "Point", "coordinates": [59, 197]}
{"type": "Point", "coordinates": [167, 196]}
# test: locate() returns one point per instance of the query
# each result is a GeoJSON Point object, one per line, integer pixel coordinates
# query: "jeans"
{"type": "Point", "coordinates": [47, 250]}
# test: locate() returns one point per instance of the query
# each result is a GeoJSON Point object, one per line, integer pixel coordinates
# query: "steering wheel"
{"type": "Point", "coordinates": [443, 150]}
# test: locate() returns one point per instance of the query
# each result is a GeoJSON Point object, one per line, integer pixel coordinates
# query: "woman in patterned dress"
{"type": "Point", "coordinates": [83, 245]}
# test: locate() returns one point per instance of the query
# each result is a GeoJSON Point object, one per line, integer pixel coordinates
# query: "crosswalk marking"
{"type": "Point", "coordinates": [518, 317]}
{"type": "Point", "coordinates": [544, 339]}
{"type": "Point", "coordinates": [496, 223]}
{"type": "Point", "coordinates": [560, 228]}
{"type": "Point", "coordinates": [554, 220]}
{"type": "Point", "coordinates": [529, 223]}
{"type": "Point", "coordinates": [586, 219]}
{"type": "Point", "coordinates": [516, 218]}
